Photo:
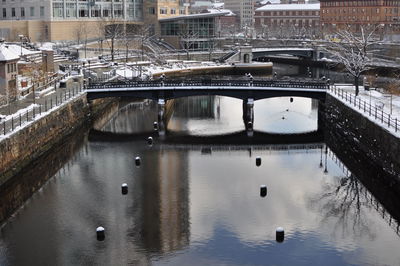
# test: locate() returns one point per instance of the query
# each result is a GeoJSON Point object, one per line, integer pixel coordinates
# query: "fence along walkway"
{"type": "Point", "coordinates": [16, 121]}
{"type": "Point", "coordinates": [375, 112]}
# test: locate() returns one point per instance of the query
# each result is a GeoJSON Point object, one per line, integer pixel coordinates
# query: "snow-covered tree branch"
{"type": "Point", "coordinates": [353, 50]}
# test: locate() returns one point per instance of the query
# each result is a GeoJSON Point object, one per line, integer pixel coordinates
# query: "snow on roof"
{"type": "Point", "coordinates": [289, 7]}
{"type": "Point", "coordinates": [17, 50]}
{"type": "Point", "coordinates": [265, 2]}
{"type": "Point", "coordinates": [6, 54]}
{"type": "Point", "coordinates": [217, 10]}
{"type": "Point", "coordinates": [193, 16]}
{"type": "Point", "coordinates": [218, 5]}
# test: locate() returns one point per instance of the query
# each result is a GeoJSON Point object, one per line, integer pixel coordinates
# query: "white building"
{"type": "Point", "coordinates": [62, 19]}
{"type": "Point", "coordinates": [244, 9]}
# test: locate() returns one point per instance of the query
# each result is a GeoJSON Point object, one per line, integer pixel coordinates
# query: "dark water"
{"type": "Point", "coordinates": [200, 204]}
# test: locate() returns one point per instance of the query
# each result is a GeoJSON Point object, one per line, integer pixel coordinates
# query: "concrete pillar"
{"type": "Point", "coordinates": [48, 60]}
{"type": "Point", "coordinates": [248, 113]}
{"type": "Point", "coordinates": [161, 117]}
{"type": "Point", "coordinates": [246, 54]}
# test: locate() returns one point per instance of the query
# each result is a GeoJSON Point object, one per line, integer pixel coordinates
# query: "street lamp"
{"type": "Point", "coordinates": [21, 38]}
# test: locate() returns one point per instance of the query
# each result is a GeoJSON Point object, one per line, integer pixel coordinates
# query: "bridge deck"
{"type": "Point", "coordinates": [257, 89]}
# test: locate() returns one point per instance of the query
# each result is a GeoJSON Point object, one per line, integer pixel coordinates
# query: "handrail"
{"type": "Point", "coordinates": [212, 83]}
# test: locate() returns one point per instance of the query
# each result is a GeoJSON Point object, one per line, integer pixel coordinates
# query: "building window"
{"type": "Point", "coordinates": [58, 10]}
{"type": "Point", "coordinates": [13, 12]}
{"type": "Point", "coordinates": [22, 12]}
{"type": "Point", "coordinates": [42, 11]}
{"type": "Point", "coordinates": [4, 12]}
{"type": "Point", "coordinates": [163, 10]}
{"type": "Point", "coordinates": [32, 11]}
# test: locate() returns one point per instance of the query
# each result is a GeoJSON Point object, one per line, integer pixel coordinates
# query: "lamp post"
{"type": "Point", "coordinates": [21, 38]}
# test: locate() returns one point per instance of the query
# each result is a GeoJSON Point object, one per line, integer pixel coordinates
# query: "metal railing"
{"type": "Point", "coordinates": [212, 83]}
{"type": "Point", "coordinates": [13, 122]}
{"type": "Point", "coordinates": [375, 111]}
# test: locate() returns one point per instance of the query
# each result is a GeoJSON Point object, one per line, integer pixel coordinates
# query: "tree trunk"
{"type": "Point", "coordinates": [112, 49]}
{"type": "Point", "coordinates": [356, 78]}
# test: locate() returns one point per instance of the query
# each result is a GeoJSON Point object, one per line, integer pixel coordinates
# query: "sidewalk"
{"type": "Point", "coordinates": [375, 96]}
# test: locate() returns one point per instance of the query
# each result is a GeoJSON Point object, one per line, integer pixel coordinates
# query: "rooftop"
{"type": "Point", "coordinates": [193, 16]}
{"type": "Point", "coordinates": [7, 54]}
{"type": "Point", "coordinates": [285, 7]}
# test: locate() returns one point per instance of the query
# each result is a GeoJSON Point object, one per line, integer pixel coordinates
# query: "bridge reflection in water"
{"type": "Point", "coordinates": [157, 220]}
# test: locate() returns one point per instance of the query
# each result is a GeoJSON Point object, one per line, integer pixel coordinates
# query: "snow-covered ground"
{"type": "Point", "coordinates": [389, 103]}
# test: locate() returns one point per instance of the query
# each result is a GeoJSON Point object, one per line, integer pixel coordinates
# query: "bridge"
{"type": "Point", "coordinates": [246, 90]}
{"type": "Point", "coordinates": [241, 89]}
{"type": "Point", "coordinates": [303, 52]}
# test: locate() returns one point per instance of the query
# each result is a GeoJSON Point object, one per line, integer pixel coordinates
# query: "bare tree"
{"type": "Point", "coordinates": [345, 202]}
{"type": "Point", "coordinates": [143, 33]}
{"type": "Point", "coordinates": [112, 29]}
{"type": "Point", "coordinates": [188, 39]}
{"type": "Point", "coordinates": [352, 50]}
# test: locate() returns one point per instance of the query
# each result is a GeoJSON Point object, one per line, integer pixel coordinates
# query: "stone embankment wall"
{"type": "Point", "coordinates": [372, 141]}
{"type": "Point", "coordinates": [17, 150]}
{"type": "Point", "coordinates": [27, 144]}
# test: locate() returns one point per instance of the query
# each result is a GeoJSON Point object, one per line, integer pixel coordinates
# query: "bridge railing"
{"type": "Point", "coordinates": [309, 84]}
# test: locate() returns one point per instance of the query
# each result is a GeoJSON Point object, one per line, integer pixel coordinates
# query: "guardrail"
{"type": "Point", "coordinates": [372, 111]}
{"type": "Point", "coordinates": [12, 123]}
{"type": "Point", "coordinates": [212, 83]}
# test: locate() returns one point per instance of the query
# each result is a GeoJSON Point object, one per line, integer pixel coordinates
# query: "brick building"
{"type": "Point", "coordinates": [288, 20]}
{"type": "Point", "coordinates": [336, 14]}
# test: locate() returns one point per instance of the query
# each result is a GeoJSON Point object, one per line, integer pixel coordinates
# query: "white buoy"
{"type": "Point", "coordinates": [263, 190]}
{"type": "Point", "coordinates": [280, 234]}
{"type": "Point", "coordinates": [124, 188]}
{"type": "Point", "coordinates": [258, 160]}
{"type": "Point", "coordinates": [100, 232]}
{"type": "Point", "coordinates": [155, 126]}
{"type": "Point", "coordinates": [150, 141]}
{"type": "Point", "coordinates": [137, 161]}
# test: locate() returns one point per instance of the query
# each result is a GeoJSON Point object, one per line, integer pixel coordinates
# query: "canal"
{"type": "Point", "coordinates": [195, 197]}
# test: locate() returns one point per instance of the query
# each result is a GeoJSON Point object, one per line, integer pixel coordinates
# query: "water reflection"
{"type": "Point", "coordinates": [198, 203]}
{"type": "Point", "coordinates": [212, 115]}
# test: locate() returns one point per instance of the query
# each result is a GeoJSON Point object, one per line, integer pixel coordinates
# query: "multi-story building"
{"type": "Point", "coordinates": [70, 19]}
{"type": "Point", "coordinates": [244, 9]}
{"type": "Point", "coordinates": [155, 10]}
{"type": "Point", "coordinates": [336, 14]}
{"type": "Point", "coordinates": [288, 20]}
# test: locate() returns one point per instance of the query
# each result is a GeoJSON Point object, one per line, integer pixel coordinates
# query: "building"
{"type": "Point", "coordinates": [195, 31]}
{"type": "Point", "coordinates": [244, 9]}
{"type": "Point", "coordinates": [53, 20]}
{"type": "Point", "coordinates": [8, 74]}
{"type": "Point", "coordinates": [336, 14]}
{"type": "Point", "coordinates": [288, 20]}
{"type": "Point", "coordinates": [223, 22]}
{"type": "Point", "coordinates": [156, 10]}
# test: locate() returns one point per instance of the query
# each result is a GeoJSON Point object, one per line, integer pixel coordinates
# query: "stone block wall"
{"type": "Point", "coordinates": [372, 141]}
{"type": "Point", "coordinates": [17, 150]}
